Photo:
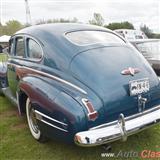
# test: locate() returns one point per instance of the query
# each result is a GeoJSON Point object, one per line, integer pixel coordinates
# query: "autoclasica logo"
{"type": "Point", "coordinates": [145, 154]}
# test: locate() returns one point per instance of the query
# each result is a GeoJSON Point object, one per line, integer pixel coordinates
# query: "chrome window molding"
{"type": "Point", "coordinates": [64, 35]}
{"type": "Point", "coordinates": [32, 59]}
{"type": "Point", "coordinates": [25, 37]}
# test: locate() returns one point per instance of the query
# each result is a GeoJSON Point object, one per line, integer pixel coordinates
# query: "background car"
{"type": "Point", "coordinates": [131, 34]}
{"type": "Point", "coordinates": [80, 83]}
{"type": "Point", "coordinates": [150, 48]}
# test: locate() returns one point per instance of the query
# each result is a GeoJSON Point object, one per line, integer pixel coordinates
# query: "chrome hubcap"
{"type": "Point", "coordinates": [33, 120]}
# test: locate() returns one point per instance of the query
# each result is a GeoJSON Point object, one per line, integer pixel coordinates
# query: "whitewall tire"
{"type": "Point", "coordinates": [32, 122]}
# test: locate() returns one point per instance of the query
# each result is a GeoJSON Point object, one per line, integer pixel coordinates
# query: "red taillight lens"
{"type": "Point", "coordinates": [78, 139]}
{"type": "Point", "coordinates": [92, 114]}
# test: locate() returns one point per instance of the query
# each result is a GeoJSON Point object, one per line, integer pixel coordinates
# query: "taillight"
{"type": "Point", "coordinates": [92, 114]}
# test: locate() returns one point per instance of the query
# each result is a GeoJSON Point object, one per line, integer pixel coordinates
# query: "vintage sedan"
{"type": "Point", "coordinates": [80, 83]}
{"type": "Point", "coordinates": [150, 48]}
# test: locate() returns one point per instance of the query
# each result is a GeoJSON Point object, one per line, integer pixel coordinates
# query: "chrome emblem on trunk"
{"type": "Point", "coordinates": [130, 71]}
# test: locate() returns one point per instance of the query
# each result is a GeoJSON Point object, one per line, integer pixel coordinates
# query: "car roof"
{"type": "Point", "coordinates": [59, 28]}
{"type": "Point", "coordinates": [54, 42]}
{"type": "Point", "coordinates": [53, 35]}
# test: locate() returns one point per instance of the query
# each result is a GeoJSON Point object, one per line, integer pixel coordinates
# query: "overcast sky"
{"type": "Point", "coordinates": [137, 12]}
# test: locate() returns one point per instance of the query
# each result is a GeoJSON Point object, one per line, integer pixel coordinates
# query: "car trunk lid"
{"type": "Point", "coordinates": [101, 70]}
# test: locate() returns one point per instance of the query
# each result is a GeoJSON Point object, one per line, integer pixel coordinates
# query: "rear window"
{"type": "Point", "coordinates": [91, 37]}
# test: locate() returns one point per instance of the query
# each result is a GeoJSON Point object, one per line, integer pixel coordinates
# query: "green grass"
{"type": "Point", "coordinates": [3, 57]}
{"type": "Point", "coordinates": [16, 142]}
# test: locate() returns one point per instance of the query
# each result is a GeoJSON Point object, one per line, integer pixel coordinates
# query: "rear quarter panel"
{"type": "Point", "coordinates": [53, 102]}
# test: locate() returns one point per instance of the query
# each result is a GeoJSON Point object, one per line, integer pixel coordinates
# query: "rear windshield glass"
{"type": "Point", "coordinates": [91, 37]}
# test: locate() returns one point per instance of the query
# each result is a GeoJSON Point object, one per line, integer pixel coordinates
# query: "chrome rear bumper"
{"type": "Point", "coordinates": [120, 129]}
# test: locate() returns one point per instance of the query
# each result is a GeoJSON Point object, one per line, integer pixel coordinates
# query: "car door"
{"type": "Point", "coordinates": [26, 54]}
{"type": "Point", "coordinates": [16, 59]}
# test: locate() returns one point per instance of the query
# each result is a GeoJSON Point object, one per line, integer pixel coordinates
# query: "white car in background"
{"type": "Point", "coordinates": [131, 34]}
{"type": "Point", "coordinates": [150, 48]}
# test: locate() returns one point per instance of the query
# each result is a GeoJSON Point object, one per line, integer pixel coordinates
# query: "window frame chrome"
{"type": "Point", "coordinates": [26, 58]}
{"type": "Point", "coordinates": [15, 46]}
{"type": "Point", "coordinates": [27, 55]}
{"type": "Point", "coordinates": [89, 44]}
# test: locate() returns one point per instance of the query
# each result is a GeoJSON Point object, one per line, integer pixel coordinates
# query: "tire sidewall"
{"type": "Point", "coordinates": [37, 136]}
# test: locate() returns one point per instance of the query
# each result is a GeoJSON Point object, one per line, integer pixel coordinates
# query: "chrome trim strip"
{"type": "Point", "coordinates": [52, 119]}
{"type": "Point", "coordinates": [51, 76]}
{"type": "Point", "coordinates": [84, 103]}
{"type": "Point", "coordinates": [53, 125]}
{"type": "Point", "coordinates": [90, 113]}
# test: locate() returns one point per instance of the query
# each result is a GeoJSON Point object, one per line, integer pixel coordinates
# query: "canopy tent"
{"type": "Point", "coordinates": [4, 39]}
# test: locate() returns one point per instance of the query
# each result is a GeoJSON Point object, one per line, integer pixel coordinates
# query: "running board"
{"type": "Point", "coordinates": [7, 92]}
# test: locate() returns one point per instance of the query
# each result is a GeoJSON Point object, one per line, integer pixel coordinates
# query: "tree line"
{"type": "Point", "coordinates": [13, 25]}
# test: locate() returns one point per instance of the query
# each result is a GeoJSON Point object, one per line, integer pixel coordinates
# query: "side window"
{"type": "Point", "coordinates": [34, 49]}
{"type": "Point", "coordinates": [11, 47]}
{"type": "Point", "coordinates": [19, 47]}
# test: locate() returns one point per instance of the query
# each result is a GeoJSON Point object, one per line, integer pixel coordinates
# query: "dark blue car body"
{"type": "Point", "coordinates": [76, 88]}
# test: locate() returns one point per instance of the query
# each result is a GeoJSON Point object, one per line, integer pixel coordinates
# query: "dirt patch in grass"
{"type": "Point", "coordinates": [19, 126]}
{"type": "Point", "coordinates": [9, 113]}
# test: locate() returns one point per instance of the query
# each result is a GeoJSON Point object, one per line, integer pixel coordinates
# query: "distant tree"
{"type": "Point", "coordinates": [10, 27]}
{"type": "Point", "coordinates": [40, 21]}
{"type": "Point", "coordinates": [146, 30]}
{"type": "Point", "coordinates": [97, 20]}
{"type": "Point", "coordinates": [155, 35]}
{"type": "Point", "coordinates": [61, 20]}
{"type": "Point", "coordinates": [121, 25]}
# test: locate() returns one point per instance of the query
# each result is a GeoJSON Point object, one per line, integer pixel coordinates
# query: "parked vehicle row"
{"type": "Point", "coordinates": [131, 34]}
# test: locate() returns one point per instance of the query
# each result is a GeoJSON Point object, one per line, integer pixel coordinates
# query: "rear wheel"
{"type": "Point", "coordinates": [32, 122]}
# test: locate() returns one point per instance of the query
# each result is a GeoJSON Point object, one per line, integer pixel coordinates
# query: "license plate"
{"type": "Point", "coordinates": [139, 86]}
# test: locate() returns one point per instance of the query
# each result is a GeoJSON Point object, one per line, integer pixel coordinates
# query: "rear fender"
{"type": "Point", "coordinates": [39, 91]}
{"type": "Point", "coordinates": [52, 102]}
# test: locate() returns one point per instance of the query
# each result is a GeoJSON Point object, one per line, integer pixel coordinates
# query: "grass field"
{"type": "Point", "coordinates": [16, 142]}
